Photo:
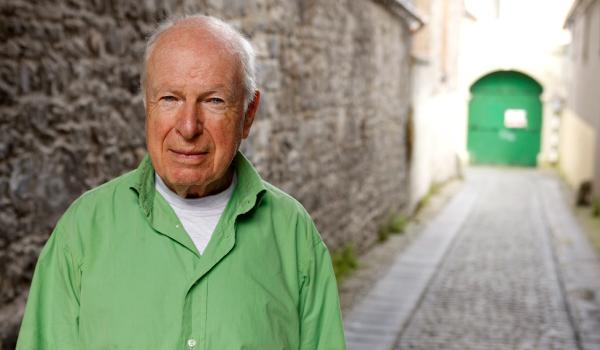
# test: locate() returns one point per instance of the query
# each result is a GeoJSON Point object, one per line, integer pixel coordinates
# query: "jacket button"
{"type": "Point", "coordinates": [191, 343]}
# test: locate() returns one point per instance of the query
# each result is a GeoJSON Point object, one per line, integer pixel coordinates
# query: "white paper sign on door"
{"type": "Point", "coordinates": [515, 118]}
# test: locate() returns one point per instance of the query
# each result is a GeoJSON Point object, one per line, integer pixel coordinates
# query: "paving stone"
{"type": "Point", "coordinates": [498, 287]}
{"type": "Point", "coordinates": [578, 264]}
{"type": "Point", "coordinates": [392, 300]}
{"type": "Point", "coordinates": [508, 269]}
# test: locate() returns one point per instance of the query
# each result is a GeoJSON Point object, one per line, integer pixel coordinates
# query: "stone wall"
{"type": "Point", "coordinates": [335, 82]}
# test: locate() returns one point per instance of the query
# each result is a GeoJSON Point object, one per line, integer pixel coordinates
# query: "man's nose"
{"type": "Point", "coordinates": [189, 123]}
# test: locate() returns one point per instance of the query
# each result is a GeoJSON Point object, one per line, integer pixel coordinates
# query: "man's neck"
{"type": "Point", "coordinates": [199, 191]}
{"type": "Point", "coordinates": [205, 202]}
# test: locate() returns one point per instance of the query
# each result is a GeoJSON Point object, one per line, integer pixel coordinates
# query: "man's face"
{"type": "Point", "coordinates": [195, 116]}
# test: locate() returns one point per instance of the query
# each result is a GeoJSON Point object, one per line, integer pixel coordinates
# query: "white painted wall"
{"type": "Point", "coordinates": [576, 149]}
{"type": "Point", "coordinates": [580, 139]}
{"type": "Point", "coordinates": [438, 115]}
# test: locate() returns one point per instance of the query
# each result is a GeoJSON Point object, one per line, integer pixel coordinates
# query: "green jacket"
{"type": "Point", "coordinates": [120, 272]}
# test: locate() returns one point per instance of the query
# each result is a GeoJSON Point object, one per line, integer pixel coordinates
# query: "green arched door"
{"type": "Point", "coordinates": [505, 119]}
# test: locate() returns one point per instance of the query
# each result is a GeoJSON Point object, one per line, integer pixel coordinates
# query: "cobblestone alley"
{"type": "Point", "coordinates": [503, 266]}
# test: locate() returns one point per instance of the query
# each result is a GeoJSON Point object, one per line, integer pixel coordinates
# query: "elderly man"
{"type": "Point", "coordinates": [192, 250]}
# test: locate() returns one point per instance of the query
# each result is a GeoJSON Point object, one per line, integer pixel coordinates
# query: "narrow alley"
{"type": "Point", "coordinates": [447, 152]}
{"type": "Point", "coordinates": [502, 266]}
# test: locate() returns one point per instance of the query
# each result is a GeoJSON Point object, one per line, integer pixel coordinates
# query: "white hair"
{"type": "Point", "coordinates": [236, 40]}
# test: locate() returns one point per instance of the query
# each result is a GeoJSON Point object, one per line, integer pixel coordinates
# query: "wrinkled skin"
{"type": "Point", "coordinates": [195, 115]}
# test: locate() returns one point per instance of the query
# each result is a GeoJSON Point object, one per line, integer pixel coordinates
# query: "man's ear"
{"type": "Point", "coordinates": [250, 113]}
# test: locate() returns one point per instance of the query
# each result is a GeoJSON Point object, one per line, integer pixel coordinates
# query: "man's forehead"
{"type": "Point", "coordinates": [193, 43]}
{"type": "Point", "coordinates": [167, 84]}
{"type": "Point", "coordinates": [179, 68]}
{"type": "Point", "coordinates": [195, 34]}
{"type": "Point", "coordinates": [183, 60]}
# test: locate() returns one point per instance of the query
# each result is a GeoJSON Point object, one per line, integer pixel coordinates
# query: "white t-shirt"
{"type": "Point", "coordinates": [199, 216]}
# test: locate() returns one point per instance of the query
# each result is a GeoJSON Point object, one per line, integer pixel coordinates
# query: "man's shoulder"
{"type": "Point", "coordinates": [289, 213]}
{"type": "Point", "coordinates": [76, 226]}
{"type": "Point", "coordinates": [105, 196]}
{"type": "Point", "coordinates": [117, 186]}
{"type": "Point", "coordinates": [284, 201]}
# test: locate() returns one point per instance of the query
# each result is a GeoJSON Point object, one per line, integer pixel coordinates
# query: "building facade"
{"type": "Point", "coordinates": [580, 129]}
{"type": "Point", "coordinates": [436, 119]}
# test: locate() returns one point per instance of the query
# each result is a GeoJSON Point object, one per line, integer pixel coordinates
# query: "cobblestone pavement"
{"type": "Point", "coordinates": [498, 286]}
{"type": "Point", "coordinates": [378, 260]}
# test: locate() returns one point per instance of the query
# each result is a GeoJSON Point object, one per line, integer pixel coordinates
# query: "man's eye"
{"type": "Point", "coordinates": [216, 100]}
{"type": "Point", "coordinates": [169, 98]}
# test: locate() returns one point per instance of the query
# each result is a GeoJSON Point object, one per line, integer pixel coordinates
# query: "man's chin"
{"type": "Point", "coordinates": [185, 181]}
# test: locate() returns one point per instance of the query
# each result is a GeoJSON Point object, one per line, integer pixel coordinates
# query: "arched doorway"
{"type": "Point", "coordinates": [505, 119]}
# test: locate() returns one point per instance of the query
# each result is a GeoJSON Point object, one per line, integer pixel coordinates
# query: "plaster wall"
{"type": "Point", "coordinates": [583, 69]}
{"type": "Point", "coordinates": [438, 115]}
{"type": "Point", "coordinates": [577, 142]}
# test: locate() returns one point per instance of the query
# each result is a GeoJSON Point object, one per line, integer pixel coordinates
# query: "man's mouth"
{"type": "Point", "coordinates": [192, 156]}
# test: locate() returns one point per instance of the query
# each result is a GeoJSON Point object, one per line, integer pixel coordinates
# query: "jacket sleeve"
{"type": "Point", "coordinates": [321, 321]}
{"type": "Point", "coordinates": [51, 315]}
